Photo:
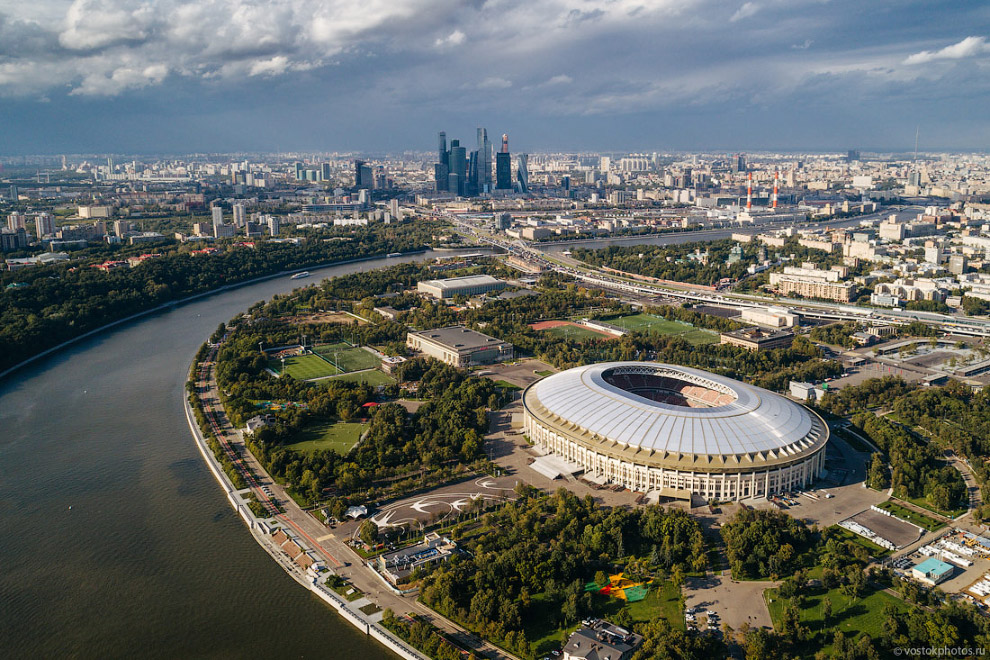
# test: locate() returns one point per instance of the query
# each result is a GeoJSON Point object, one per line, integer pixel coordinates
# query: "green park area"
{"type": "Point", "coordinates": [650, 324]}
{"type": "Point", "coordinates": [338, 436]}
{"type": "Point", "coordinates": [346, 357]}
{"type": "Point", "coordinates": [850, 614]}
{"type": "Point", "coordinates": [912, 516]}
{"type": "Point", "coordinates": [303, 367]}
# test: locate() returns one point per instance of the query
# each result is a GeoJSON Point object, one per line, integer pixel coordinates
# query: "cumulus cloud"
{"type": "Point", "coordinates": [968, 47]}
{"type": "Point", "coordinates": [748, 9]}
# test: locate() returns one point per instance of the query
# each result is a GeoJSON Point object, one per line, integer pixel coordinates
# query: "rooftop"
{"type": "Point", "coordinates": [467, 280]}
{"type": "Point", "coordinates": [458, 337]}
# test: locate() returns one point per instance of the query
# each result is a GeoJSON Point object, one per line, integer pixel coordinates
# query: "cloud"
{"type": "Point", "coordinates": [494, 82]}
{"type": "Point", "coordinates": [455, 38]}
{"type": "Point", "coordinates": [803, 46]}
{"type": "Point", "coordinates": [562, 79]}
{"type": "Point", "coordinates": [968, 47]}
{"type": "Point", "coordinates": [748, 9]}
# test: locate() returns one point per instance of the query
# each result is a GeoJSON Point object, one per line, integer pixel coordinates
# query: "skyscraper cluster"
{"type": "Point", "coordinates": [464, 174]}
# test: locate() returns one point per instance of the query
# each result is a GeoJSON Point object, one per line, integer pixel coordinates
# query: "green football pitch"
{"type": "Point", "coordinates": [338, 436]}
{"type": "Point", "coordinates": [304, 367]}
{"type": "Point", "coordinates": [654, 324]}
{"type": "Point", "coordinates": [347, 357]}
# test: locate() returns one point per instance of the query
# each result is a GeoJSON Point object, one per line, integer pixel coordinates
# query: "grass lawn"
{"type": "Point", "coordinates": [656, 325]}
{"type": "Point", "coordinates": [545, 373]}
{"type": "Point", "coordinates": [372, 377]}
{"type": "Point", "coordinates": [304, 367]}
{"type": "Point", "coordinates": [912, 516]}
{"type": "Point", "coordinates": [348, 358]}
{"type": "Point", "coordinates": [851, 616]}
{"type": "Point", "coordinates": [575, 332]}
{"type": "Point", "coordinates": [504, 384]}
{"type": "Point", "coordinates": [665, 601]}
{"type": "Point", "coordinates": [874, 549]}
{"type": "Point", "coordinates": [338, 436]}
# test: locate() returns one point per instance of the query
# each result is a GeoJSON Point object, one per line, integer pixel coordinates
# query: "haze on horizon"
{"type": "Point", "coordinates": [385, 75]}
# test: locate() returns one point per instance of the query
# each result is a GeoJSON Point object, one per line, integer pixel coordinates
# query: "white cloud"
{"type": "Point", "coordinates": [968, 47]}
{"type": "Point", "coordinates": [494, 82]}
{"type": "Point", "coordinates": [748, 9]}
{"type": "Point", "coordinates": [455, 38]}
{"type": "Point", "coordinates": [562, 79]}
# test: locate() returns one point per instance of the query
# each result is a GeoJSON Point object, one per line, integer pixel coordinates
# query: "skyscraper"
{"type": "Point", "coordinates": [503, 166]}
{"type": "Point", "coordinates": [440, 171]}
{"type": "Point", "coordinates": [364, 175]}
{"type": "Point", "coordinates": [239, 218]}
{"type": "Point", "coordinates": [457, 168]}
{"type": "Point", "coordinates": [522, 172]}
{"type": "Point", "coordinates": [325, 171]}
{"type": "Point", "coordinates": [484, 162]}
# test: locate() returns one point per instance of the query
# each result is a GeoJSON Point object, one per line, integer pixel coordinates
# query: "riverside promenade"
{"type": "Point", "coordinates": [313, 535]}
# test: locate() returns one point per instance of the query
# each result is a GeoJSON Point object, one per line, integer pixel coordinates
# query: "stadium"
{"type": "Point", "coordinates": [675, 430]}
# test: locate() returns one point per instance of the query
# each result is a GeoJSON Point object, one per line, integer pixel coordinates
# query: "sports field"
{"type": "Point", "coordinates": [348, 358]}
{"type": "Point", "coordinates": [303, 367]}
{"type": "Point", "coordinates": [651, 324]}
{"type": "Point", "coordinates": [372, 377]}
{"type": "Point", "coordinates": [567, 330]}
{"type": "Point", "coordinates": [338, 436]}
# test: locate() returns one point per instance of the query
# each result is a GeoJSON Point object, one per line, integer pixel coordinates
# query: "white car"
{"type": "Point", "coordinates": [711, 613]}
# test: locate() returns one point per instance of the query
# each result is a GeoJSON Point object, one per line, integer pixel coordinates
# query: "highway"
{"type": "Point", "coordinates": [538, 254]}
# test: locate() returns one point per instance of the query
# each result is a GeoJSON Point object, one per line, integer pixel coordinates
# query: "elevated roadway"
{"type": "Point", "coordinates": [951, 323]}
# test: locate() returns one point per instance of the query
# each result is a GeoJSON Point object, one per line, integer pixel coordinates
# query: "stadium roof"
{"type": "Point", "coordinates": [749, 420]}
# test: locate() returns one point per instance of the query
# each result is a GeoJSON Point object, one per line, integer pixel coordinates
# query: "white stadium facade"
{"type": "Point", "coordinates": [675, 430]}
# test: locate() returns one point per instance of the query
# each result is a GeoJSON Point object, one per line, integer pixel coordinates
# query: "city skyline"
{"type": "Point", "coordinates": [102, 75]}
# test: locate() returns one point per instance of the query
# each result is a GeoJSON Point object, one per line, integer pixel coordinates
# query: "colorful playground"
{"type": "Point", "coordinates": [622, 588]}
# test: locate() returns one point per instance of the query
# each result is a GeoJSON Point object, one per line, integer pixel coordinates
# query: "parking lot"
{"type": "Point", "coordinates": [846, 475]}
{"type": "Point", "coordinates": [735, 603]}
{"type": "Point", "coordinates": [899, 533]}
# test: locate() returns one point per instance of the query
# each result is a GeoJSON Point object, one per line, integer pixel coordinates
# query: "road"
{"type": "Point", "coordinates": [345, 562]}
{"type": "Point", "coordinates": [539, 254]}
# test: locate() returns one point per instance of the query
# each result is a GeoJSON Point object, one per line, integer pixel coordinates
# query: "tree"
{"type": "Point", "coordinates": [826, 609]}
{"type": "Point", "coordinates": [369, 533]}
{"type": "Point", "coordinates": [601, 579]}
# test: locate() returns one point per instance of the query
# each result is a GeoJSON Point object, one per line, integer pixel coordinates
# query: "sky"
{"type": "Point", "coordinates": [374, 76]}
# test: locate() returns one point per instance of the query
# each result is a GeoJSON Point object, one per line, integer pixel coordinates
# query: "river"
{"type": "Point", "coordinates": [115, 540]}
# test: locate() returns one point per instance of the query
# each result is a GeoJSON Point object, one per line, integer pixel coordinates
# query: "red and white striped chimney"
{"type": "Point", "coordinates": [749, 193]}
{"type": "Point", "coordinates": [776, 183]}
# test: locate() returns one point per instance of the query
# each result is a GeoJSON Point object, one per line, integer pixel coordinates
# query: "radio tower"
{"type": "Point", "coordinates": [776, 182]}
{"type": "Point", "coordinates": [749, 193]}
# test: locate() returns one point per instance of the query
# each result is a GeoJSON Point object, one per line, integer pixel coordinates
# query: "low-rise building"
{"type": "Point", "coordinates": [758, 339]}
{"type": "Point", "coordinates": [600, 641]}
{"type": "Point", "coordinates": [932, 571]}
{"type": "Point", "coordinates": [469, 285]}
{"type": "Point", "coordinates": [399, 565]}
{"type": "Point", "coordinates": [459, 346]}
